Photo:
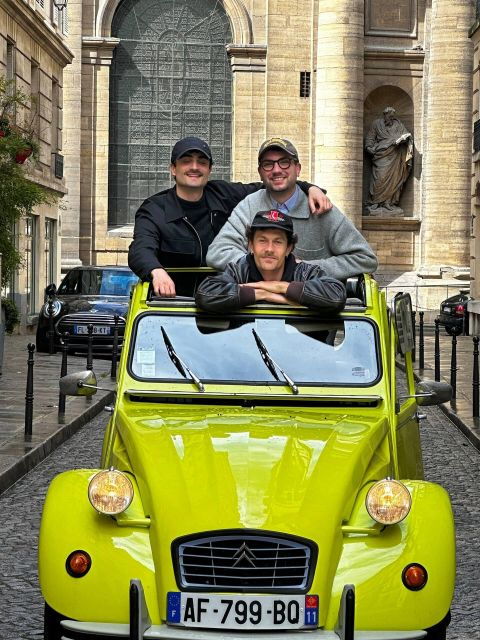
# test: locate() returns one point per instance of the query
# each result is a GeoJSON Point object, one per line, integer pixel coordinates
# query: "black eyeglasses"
{"type": "Point", "coordinates": [283, 163]}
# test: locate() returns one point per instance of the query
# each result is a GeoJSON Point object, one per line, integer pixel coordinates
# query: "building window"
{"type": "Point", "coordinates": [49, 259]}
{"type": "Point", "coordinates": [170, 77]}
{"type": "Point", "coordinates": [30, 263]}
{"type": "Point", "coordinates": [476, 136]}
{"type": "Point", "coordinates": [10, 61]}
{"type": "Point", "coordinates": [54, 122]}
{"type": "Point", "coordinates": [304, 84]}
{"type": "Point", "coordinates": [35, 95]}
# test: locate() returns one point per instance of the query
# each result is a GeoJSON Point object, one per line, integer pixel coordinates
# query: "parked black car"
{"type": "Point", "coordinates": [87, 295]}
{"type": "Point", "coordinates": [453, 313]}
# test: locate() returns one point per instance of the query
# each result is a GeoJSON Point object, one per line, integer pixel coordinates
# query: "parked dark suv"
{"type": "Point", "coordinates": [87, 295]}
{"type": "Point", "coordinates": [453, 313]}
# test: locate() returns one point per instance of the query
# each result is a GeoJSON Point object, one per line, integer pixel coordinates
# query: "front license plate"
{"type": "Point", "coordinates": [213, 611]}
{"type": "Point", "coordinates": [99, 330]}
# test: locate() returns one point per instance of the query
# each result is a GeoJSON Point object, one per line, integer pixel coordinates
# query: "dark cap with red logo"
{"type": "Point", "coordinates": [273, 219]}
{"type": "Point", "coordinates": [278, 143]}
{"type": "Point", "coordinates": [191, 143]}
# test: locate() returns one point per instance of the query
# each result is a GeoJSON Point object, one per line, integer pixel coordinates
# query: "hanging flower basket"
{"type": "Point", "coordinates": [23, 154]}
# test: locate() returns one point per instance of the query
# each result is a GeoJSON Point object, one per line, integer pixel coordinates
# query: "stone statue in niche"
{"type": "Point", "coordinates": [391, 148]}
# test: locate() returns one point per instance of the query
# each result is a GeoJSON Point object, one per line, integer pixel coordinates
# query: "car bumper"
{"type": "Point", "coordinates": [450, 321]}
{"type": "Point", "coordinates": [140, 627]}
{"type": "Point", "coordinates": [75, 630]}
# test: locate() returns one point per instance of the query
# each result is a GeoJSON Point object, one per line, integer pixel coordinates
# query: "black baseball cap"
{"type": "Point", "coordinates": [190, 143]}
{"type": "Point", "coordinates": [273, 219]}
{"type": "Point", "coordinates": [278, 143]}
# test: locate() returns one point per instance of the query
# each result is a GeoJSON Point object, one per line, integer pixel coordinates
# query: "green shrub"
{"type": "Point", "coordinates": [12, 316]}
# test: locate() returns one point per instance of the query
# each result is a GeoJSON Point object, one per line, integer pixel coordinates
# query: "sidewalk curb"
{"type": "Point", "coordinates": [31, 459]}
{"type": "Point", "coordinates": [473, 437]}
{"type": "Point", "coordinates": [464, 428]}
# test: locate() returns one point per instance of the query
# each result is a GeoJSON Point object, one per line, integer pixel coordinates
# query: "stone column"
{"type": "Point", "coordinates": [72, 92]}
{"type": "Point", "coordinates": [448, 138]}
{"type": "Point", "coordinates": [248, 102]}
{"type": "Point", "coordinates": [338, 143]}
{"type": "Point", "coordinates": [95, 243]}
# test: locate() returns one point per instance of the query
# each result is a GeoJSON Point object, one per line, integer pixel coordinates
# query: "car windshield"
{"type": "Point", "coordinates": [340, 352]}
{"type": "Point", "coordinates": [98, 282]}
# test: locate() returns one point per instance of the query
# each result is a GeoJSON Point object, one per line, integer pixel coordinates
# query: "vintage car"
{"type": "Point", "coordinates": [261, 472]}
{"type": "Point", "coordinates": [86, 295]}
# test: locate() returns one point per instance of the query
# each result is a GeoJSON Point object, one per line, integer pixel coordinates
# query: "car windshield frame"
{"type": "Point", "coordinates": [99, 278]}
{"type": "Point", "coordinates": [268, 379]}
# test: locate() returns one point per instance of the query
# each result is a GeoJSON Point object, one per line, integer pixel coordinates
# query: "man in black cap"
{"type": "Point", "coordinates": [174, 228]}
{"type": "Point", "coordinates": [270, 273]}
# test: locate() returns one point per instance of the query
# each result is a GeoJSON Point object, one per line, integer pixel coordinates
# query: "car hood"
{"type": "Point", "coordinates": [96, 304]}
{"type": "Point", "coordinates": [292, 471]}
{"type": "Point", "coordinates": [282, 470]}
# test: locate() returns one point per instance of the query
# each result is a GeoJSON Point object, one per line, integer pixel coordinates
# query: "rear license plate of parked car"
{"type": "Point", "coordinates": [242, 612]}
{"type": "Point", "coordinates": [446, 309]}
{"type": "Point", "coordinates": [98, 330]}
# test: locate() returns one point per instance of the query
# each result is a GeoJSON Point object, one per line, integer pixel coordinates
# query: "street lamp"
{"type": "Point", "coordinates": [60, 4]}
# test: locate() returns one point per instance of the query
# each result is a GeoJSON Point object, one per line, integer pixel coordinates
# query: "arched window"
{"type": "Point", "coordinates": [170, 78]}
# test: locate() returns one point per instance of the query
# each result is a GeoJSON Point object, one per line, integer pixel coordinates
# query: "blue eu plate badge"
{"type": "Point", "coordinates": [173, 606]}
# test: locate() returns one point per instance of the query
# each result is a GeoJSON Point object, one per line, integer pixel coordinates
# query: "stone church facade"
{"type": "Point", "coordinates": [238, 71]}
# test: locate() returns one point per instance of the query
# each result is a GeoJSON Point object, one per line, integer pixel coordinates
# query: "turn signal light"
{"type": "Point", "coordinates": [388, 501]}
{"type": "Point", "coordinates": [414, 577]}
{"type": "Point", "coordinates": [78, 564]}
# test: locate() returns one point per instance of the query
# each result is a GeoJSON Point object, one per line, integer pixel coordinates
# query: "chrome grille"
{"type": "Point", "coordinates": [89, 318]}
{"type": "Point", "coordinates": [245, 563]}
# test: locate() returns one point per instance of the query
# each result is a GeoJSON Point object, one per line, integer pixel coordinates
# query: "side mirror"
{"type": "Point", "coordinates": [81, 383]}
{"type": "Point", "coordinates": [438, 393]}
{"type": "Point", "coordinates": [51, 290]}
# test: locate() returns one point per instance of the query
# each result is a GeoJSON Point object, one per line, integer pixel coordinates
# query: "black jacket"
{"type": "Point", "coordinates": [164, 237]}
{"type": "Point", "coordinates": [308, 286]}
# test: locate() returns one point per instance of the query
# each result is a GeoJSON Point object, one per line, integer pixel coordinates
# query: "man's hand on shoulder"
{"type": "Point", "coordinates": [162, 284]}
{"type": "Point", "coordinates": [318, 201]}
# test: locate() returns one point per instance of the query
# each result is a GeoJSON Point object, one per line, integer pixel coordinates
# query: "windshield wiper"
{"type": "Point", "coordinates": [178, 362]}
{"type": "Point", "coordinates": [272, 365]}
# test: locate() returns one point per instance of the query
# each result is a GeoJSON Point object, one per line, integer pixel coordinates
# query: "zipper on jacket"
{"type": "Point", "coordinates": [185, 219]}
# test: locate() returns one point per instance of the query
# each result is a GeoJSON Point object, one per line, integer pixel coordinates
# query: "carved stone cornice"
{"type": "Point", "coordinates": [384, 53]}
{"type": "Point", "coordinates": [247, 57]}
{"type": "Point", "coordinates": [377, 223]}
{"type": "Point", "coordinates": [39, 30]}
{"type": "Point", "coordinates": [98, 51]}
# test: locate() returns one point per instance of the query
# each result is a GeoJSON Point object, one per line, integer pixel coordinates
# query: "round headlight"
{"type": "Point", "coordinates": [56, 308]}
{"type": "Point", "coordinates": [388, 501]}
{"type": "Point", "coordinates": [110, 492]}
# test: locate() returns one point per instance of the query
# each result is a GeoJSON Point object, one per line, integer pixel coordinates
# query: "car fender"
{"type": "Point", "coordinates": [118, 553]}
{"type": "Point", "coordinates": [375, 563]}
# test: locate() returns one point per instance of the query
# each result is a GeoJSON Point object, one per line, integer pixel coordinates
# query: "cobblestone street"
{"type": "Point", "coordinates": [449, 460]}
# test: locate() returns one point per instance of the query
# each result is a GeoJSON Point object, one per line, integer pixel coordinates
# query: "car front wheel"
{"type": "Point", "coordinates": [439, 631]}
{"type": "Point", "coordinates": [51, 624]}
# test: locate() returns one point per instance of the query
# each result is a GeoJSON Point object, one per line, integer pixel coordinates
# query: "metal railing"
{"type": "Point", "coordinates": [423, 298]}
